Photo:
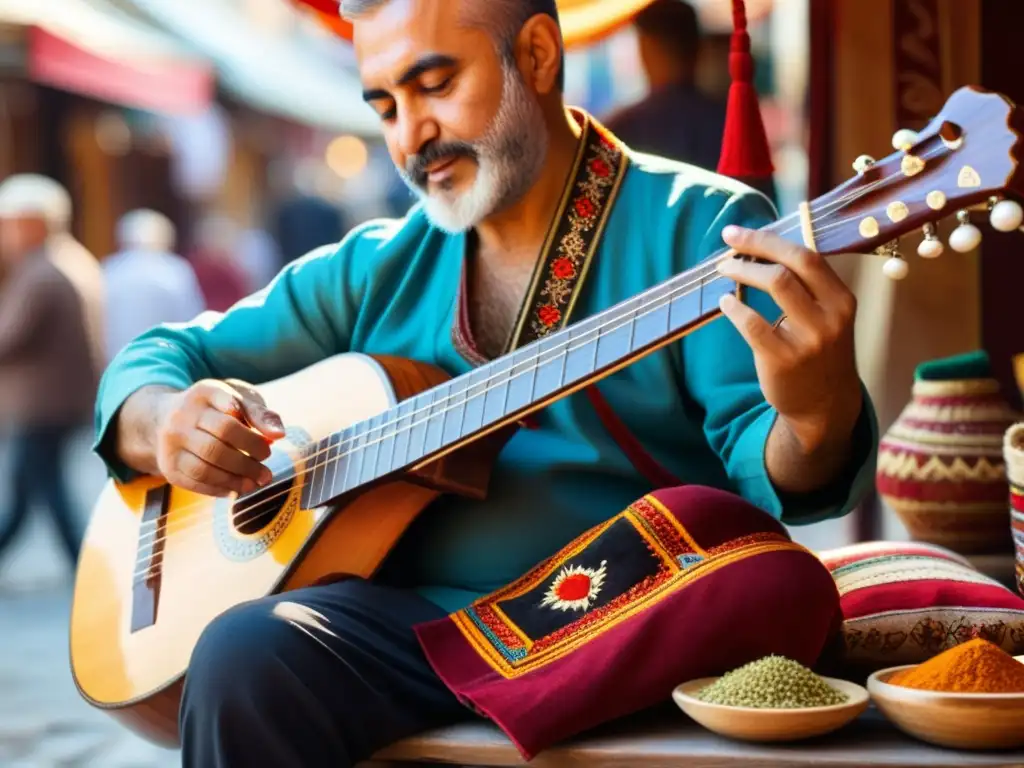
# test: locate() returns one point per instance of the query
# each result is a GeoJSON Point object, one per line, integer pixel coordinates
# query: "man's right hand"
{"type": "Point", "coordinates": [213, 437]}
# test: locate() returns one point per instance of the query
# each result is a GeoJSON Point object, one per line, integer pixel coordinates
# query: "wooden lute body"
{"type": "Point", "coordinates": [158, 564]}
{"type": "Point", "coordinates": [372, 441]}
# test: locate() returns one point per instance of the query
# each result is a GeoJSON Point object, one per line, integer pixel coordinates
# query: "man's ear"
{"type": "Point", "coordinates": [539, 52]}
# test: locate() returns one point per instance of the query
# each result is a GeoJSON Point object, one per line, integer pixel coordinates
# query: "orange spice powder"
{"type": "Point", "coordinates": [977, 666]}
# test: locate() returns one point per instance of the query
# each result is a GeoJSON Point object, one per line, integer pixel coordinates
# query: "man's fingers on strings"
{"type": "Point", "coordinates": [809, 266]}
{"type": "Point", "coordinates": [223, 456]}
{"type": "Point", "coordinates": [231, 431]}
{"type": "Point", "coordinates": [778, 282]}
{"type": "Point", "coordinates": [201, 473]}
{"type": "Point", "coordinates": [755, 330]}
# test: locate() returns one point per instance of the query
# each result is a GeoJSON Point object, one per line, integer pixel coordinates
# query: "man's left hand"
{"type": "Point", "coordinates": [806, 364]}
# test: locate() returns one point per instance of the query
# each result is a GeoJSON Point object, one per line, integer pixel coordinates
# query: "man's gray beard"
{"type": "Point", "coordinates": [510, 156]}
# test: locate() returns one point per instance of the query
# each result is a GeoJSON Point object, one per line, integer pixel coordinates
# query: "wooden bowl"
{"type": "Point", "coordinates": [763, 724]}
{"type": "Point", "coordinates": [957, 720]}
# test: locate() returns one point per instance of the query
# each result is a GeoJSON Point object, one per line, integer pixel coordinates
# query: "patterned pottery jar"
{"type": "Point", "coordinates": [941, 467]}
{"type": "Point", "coordinates": [1013, 452]}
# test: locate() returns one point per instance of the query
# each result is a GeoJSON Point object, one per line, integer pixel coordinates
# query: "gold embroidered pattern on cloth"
{"type": "Point", "coordinates": [508, 628]}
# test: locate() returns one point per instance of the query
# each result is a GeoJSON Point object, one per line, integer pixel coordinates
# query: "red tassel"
{"type": "Point", "coordinates": [322, 6]}
{"type": "Point", "coordinates": [745, 151]}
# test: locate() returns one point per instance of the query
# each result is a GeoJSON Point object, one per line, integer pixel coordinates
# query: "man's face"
{"type": "Point", "coordinates": [462, 128]}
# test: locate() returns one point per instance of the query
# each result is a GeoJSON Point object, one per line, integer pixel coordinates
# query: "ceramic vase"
{"type": "Point", "coordinates": [1013, 454]}
{"type": "Point", "coordinates": [941, 466]}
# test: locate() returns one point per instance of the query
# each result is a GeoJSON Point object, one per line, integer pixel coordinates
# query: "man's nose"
{"type": "Point", "coordinates": [415, 130]}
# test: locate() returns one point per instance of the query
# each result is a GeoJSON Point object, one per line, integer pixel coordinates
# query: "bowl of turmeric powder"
{"type": "Point", "coordinates": [970, 696]}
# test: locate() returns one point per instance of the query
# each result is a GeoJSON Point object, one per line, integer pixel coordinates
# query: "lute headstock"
{"type": "Point", "coordinates": [966, 158]}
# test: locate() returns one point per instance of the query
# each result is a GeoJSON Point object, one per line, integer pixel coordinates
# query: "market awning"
{"type": "Point", "coordinates": [584, 22]}
{"type": "Point", "coordinates": [93, 48]}
{"type": "Point", "coordinates": [268, 70]}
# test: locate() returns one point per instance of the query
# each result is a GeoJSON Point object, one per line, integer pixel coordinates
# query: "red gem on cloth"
{"type": "Point", "coordinates": [585, 207]}
{"type": "Point", "coordinates": [549, 315]}
{"type": "Point", "coordinates": [563, 268]}
{"type": "Point", "coordinates": [600, 167]}
{"type": "Point", "coordinates": [575, 588]}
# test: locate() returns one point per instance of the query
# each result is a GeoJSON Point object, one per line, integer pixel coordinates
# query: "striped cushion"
{"type": "Point", "coordinates": [1013, 453]}
{"type": "Point", "coordinates": [904, 602]}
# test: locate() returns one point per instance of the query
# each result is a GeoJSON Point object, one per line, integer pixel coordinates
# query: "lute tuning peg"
{"type": "Point", "coordinates": [1005, 215]}
{"type": "Point", "coordinates": [895, 268]}
{"type": "Point", "coordinates": [966, 237]}
{"type": "Point", "coordinates": [904, 139]}
{"type": "Point", "coordinates": [862, 163]}
{"type": "Point", "coordinates": [931, 247]}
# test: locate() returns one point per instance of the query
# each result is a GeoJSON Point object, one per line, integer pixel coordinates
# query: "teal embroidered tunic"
{"type": "Point", "coordinates": [396, 287]}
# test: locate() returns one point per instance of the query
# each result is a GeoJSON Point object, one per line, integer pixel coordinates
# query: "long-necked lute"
{"type": "Point", "coordinates": [159, 563]}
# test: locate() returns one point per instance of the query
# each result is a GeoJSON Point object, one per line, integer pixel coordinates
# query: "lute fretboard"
{"type": "Point", "coordinates": [505, 390]}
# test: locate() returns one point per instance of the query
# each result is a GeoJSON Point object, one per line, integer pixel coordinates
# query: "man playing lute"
{"type": "Point", "coordinates": [530, 215]}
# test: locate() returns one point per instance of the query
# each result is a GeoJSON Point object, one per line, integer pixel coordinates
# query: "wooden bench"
{"type": "Point", "coordinates": [667, 739]}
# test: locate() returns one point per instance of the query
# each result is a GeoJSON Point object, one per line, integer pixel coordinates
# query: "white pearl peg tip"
{"type": "Point", "coordinates": [1006, 216]}
{"type": "Point", "coordinates": [862, 163]}
{"type": "Point", "coordinates": [930, 248]}
{"type": "Point", "coordinates": [904, 139]}
{"type": "Point", "coordinates": [965, 238]}
{"type": "Point", "coordinates": [895, 268]}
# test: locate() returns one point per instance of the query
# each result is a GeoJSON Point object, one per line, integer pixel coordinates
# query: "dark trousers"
{"type": "Point", "coordinates": [323, 676]}
{"type": "Point", "coordinates": [38, 475]}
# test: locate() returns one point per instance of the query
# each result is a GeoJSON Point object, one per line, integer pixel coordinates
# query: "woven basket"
{"type": "Point", "coordinates": [940, 465]}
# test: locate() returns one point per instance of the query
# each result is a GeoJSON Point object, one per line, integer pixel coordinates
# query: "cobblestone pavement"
{"type": "Point", "coordinates": [44, 723]}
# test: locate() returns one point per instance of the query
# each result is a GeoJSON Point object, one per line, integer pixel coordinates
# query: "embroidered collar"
{"type": "Point", "coordinates": [572, 240]}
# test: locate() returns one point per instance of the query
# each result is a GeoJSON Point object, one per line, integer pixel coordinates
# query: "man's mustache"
{"type": "Point", "coordinates": [416, 166]}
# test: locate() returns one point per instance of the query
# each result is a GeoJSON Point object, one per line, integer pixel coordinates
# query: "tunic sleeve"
{"type": "Point", "coordinates": [306, 314]}
{"type": "Point", "coordinates": [719, 373]}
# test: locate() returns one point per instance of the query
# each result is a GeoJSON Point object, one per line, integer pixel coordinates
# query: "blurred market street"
{"type": "Point", "coordinates": [43, 721]}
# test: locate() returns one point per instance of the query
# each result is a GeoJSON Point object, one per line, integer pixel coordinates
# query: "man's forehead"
{"type": "Point", "coordinates": [400, 31]}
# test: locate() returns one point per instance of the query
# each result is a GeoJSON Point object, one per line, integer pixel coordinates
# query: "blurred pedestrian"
{"type": "Point", "coordinates": [146, 282]}
{"type": "Point", "coordinates": [49, 318]}
{"type": "Point", "coordinates": [217, 264]}
{"type": "Point", "coordinates": [675, 119]}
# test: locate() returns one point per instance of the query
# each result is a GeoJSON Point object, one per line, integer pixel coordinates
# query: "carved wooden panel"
{"type": "Point", "coordinates": [920, 68]}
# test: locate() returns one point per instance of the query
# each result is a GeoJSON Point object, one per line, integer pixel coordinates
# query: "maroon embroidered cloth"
{"type": "Point", "coordinates": [687, 582]}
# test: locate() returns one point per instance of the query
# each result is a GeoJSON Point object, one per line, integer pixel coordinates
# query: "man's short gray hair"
{"type": "Point", "coordinates": [503, 19]}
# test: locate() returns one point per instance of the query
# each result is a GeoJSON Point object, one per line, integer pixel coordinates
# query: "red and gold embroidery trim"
{"type": "Point", "coordinates": [572, 240]}
{"type": "Point", "coordinates": [575, 233]}
{"type": "Point", "coordinates": [511, 653]}
{"type": "Point", "coordinates": [598, 170]}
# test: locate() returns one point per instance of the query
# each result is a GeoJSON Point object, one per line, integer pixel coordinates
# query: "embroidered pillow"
{"type": "Point", "coordinates": [686, 582]}
{"type": "Point", "coordinates": [904, 602]}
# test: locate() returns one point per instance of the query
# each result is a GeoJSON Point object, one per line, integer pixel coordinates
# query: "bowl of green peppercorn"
{"type": "Point", "coordinates": [771, 699]}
